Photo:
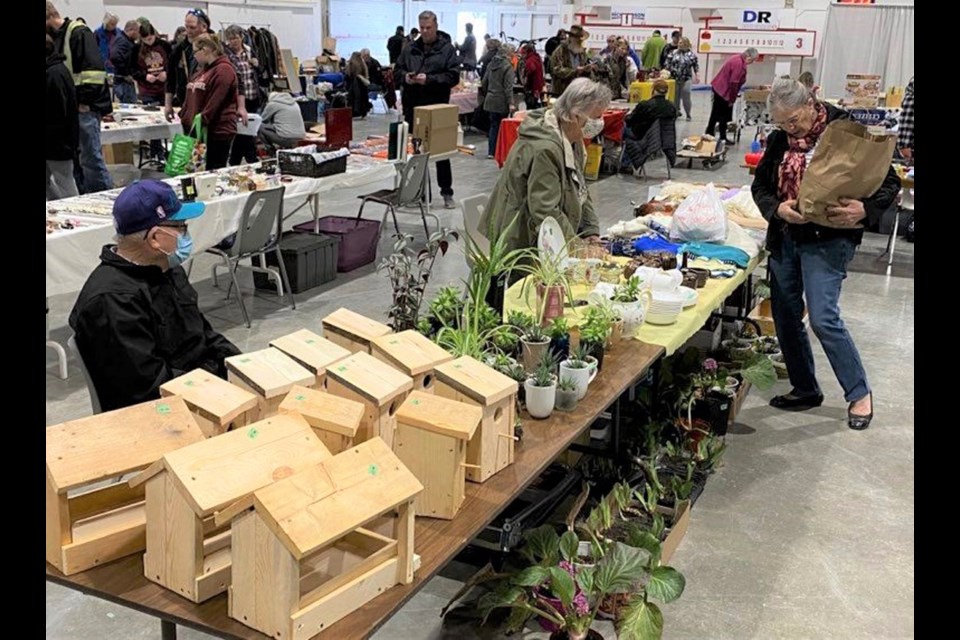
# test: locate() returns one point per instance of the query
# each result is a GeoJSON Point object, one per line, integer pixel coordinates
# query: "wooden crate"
{"type": "Point", "coordinates": [380, 388]}
{"type": "Point", "coordinates": [335, 420]}
{"type": "Point", "coordinates": [92, 526]}
{"type": "Point", "coordinates": [412, 353]}
{"type": "Point", "coordinates": [268, 373]}
{"type": "Point", "coordinates": [302, 556]}
{"type": "Point", "coordinates": [432, 437]}
{"type": "Point", "coordinates": [217, 405]}
{"type": "Point", "coordinates": [352, 331]}
{"type": "Point", "coordinates": [186, 551]}
{"type": "Point", "coordinates": [467, 380]}
{"type": "Point", "coordinates": [311, 352]}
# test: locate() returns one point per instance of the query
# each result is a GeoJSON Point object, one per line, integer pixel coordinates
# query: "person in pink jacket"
{"type": "Point", "coordinates": [726, 85]}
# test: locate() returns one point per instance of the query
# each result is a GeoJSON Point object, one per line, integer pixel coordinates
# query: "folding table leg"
{"type": "Point", "coordinates": [168, 630]}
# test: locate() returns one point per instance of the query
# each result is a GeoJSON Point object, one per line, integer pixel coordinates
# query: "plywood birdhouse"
{"type": "Point", "coordinates": [311, 352]}
{"type": "Point", "coordinates": [352, 331]}
{"type": "Point", "coordinates": [431, 440]}
{"type": "Point", "coordinates": [217, 405]}
{"type": "Point", "coordinates": [268, 373]}
{"type": "Point", "coordinates": [335, 420]}
{"type": "Point", "coordinates": [412, 353]}
{"type": "Point", "coordinates": [92, 526]}
{"type": "Point", "coordinates": [303, 558]}
{"type": "Point", "coordinates": [377, 385]}
{"type": "Point", "coordinates": [467, 380]}
{"type": "Point", "coordinates": [186, 552]}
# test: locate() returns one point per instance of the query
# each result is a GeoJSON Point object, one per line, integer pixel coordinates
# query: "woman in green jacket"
{"type": "Point", "coordinates": [543, 174]}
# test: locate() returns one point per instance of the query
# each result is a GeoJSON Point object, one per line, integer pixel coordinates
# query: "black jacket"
{"type": "Point", "coordinates": [441, 66]}
{"type": "Point", "coordinates": [375, 71]}
{"type": "Point", "coordinates": [395, 47]}
{"type": "Point", "coordinates": [138, 327]}
{"type": "Point", "coordinates": [485, 61]}
{"type": "Point", "coordinates": [63, 127]}
{"type": "Point", "coordinates": [648, 112]}
{"type": "Point", "coordinates": [765, 194]}
{"type": "Point", "coordinates": [181, 65]}
{"type": "Point", "coordinates": [122, 58]}
{"type": "Point", "coordinates": [86, 58]}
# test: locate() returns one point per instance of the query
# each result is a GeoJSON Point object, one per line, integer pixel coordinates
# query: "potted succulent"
{"type": "Point", "coordinates": [520, 321]}
{"type": "Point", "coordinates": [541, 388]}
{"type": "Point", "coordinates": [630, 302]}
{"type": "Point", "coordinates": [581, 368]}
{"type": "Point", "coordinates": [559, 338]}
{"type": "Point", "coordinates": [594, 335]}
{"type": "Point", "coordinates": [767, 345]}
{"type": "Point", "coordinates": [505, 339]}
{"type": "Point", "coordinates": [503, 363]}
{"type": "Point", "coordinates": [534, 343]}
{"type": "Point", "coordinates": [567, 395]}
{"type": "Point", "coordinates": [446, 307]}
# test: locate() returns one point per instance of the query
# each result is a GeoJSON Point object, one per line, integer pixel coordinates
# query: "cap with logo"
{"type": "Point", "coordinates": [147, 203]}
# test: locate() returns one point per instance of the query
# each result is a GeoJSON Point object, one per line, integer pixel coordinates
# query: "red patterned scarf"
{"type": "Point", "coordinates": [795, 159]}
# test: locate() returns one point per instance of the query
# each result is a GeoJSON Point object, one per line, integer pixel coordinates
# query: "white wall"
{"type": "Point", "coordinates": [521, 19]}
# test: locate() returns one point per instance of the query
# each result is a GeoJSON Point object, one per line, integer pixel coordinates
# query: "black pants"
{"type": "Point", "coordinates": [245, 147]}
{"type": "Point", "coordinates": [217, 152]}
{"type": "Point", "coordinates": [720, 114]}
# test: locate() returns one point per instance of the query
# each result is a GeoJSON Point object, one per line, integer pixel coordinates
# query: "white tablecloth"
{"type": "Point", "coordinates": [135, 133]}
{"type": "Point", "coordinates": [73, 255]}
{"type": "Point", "coordinates": [466, 101]}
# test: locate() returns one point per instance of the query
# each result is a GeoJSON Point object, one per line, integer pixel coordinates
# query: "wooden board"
{"type": "Point", "coordinates": [440, 415]}
{"type": "Point", "coordinates": [437, 462]}
{"type": "Point", "coordinates": [354, 327]}
{"type": "Point", "coordinates": [217, 472]}
{"type": "Point", "coordinates": [410, 352]}
{"type": "Point", "coordinates": [323, 503]}
{"type": "Point", "coordinates": [270, 372]}
{"type": "Point", "coordinates": [324, 411]}
{"type": "Point", "coordinates": [212, 397]}
{"type": "Point", "coordinates": [376, 381]}
{"type": "Point", "coordinates": [117, 442]}
{"type": "Point", "coordinates": [476, 380]}
{"type": "Point", "coordinates": [310, 350]}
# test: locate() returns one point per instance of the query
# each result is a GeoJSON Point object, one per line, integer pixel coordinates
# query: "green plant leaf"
{"type": "Point", "coordinates": [760, 372]}
{"type": "Point", "coordinates": [531, 577]}
{"type": "Point", "coordinates": [620, 569]}
{"type": "Point", "coordinates": [517, 620]}
{"type": "Point", "coordinates": [569, 543]}
{"type": "Point", "coordinates": [666, 584]}
{"type": "Point", "coordinates": [543, 546]}
{"type": "Point", "coordinates": [586, 578]}
{"type": "Point", "coordinates": [641, 620]}
{"type": "Point", "coordinates": [562, 586]}
{"type": "Point", "coordinates": [647, 541]}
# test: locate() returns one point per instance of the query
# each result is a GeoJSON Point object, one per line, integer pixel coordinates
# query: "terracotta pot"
{"type": "Point", "coordinates": [554, 302]}
{"type": "Point", "coordinates": [533, 353]}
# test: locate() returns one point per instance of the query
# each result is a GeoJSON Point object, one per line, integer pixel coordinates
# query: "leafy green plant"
{"type": "Point", "coordinates": [567, 384]}
{"type": "Point", "coordinates": [627, 292]}
{"type": "Point", "coordinates": [682, 488]}
{"type": "Point", "coordinates": [579, 357]}
{"type": "Point", "coordinates": [559, 329]}
{"type": "Point", "coordinates": [709, 453]}
{"type": "Point", "coordinates": [424, 327]}
{"type": "Point", "coordinates": [762, 289]}
{"type": "Point", "coordinates": [447, 306]}
{"type": "Point", "coordinates": [520, 320]}
{"type": "Point", "coordinates": [544, 271]}
{"type": "Point", "coordinates": [535, 333]}
{"type": "Point", "coordinates": [461, 342]}
{"type": "Point", "coordinates": [505, 339]}
{"type": "Point", "coordinates": [409, 274]}
{"type": "Point", "coordinates": [543, 375]}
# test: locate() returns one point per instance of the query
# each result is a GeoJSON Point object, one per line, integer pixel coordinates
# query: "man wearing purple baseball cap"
{"type": "Point", "coordinates": [136, 321]}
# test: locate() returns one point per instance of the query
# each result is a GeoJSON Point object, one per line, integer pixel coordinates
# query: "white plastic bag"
{"type": "Point", "coordinates": [700, 218]}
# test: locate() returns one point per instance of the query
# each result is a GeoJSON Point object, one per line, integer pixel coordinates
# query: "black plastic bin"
{"type": "Point", "coordinates": [311, 260]}
{"type": "Point", "coordinates": [358, 239]}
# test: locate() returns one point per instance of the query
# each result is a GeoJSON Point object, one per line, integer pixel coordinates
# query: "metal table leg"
{"type": "Point", "coordinates": [168, 630]}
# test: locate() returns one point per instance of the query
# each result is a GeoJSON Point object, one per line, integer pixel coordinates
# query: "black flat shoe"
{"type": "Point", "coordinates": [859, 423]}
{"type": "Point", "coordinates": [790, 402]}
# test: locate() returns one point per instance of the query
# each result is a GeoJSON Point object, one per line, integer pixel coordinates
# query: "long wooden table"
{"type": "Point", "coordinates": [436, 541]}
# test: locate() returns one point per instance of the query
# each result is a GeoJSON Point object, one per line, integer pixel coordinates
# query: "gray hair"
{"type": "Point", "coordinates": [788, 94]}
{"type": "Point", "coordinates": [364, 52]}
{"type": "Point", "coordinates": [233, 31]}
{"type": "Point", "coordinates": [110, 17]}
{"type": "Point", "coordinates": [427, 15]}
{"type": "Point", "coordinates": [752, 53]}
{"type": "Point", "coordinates": [581, 96]}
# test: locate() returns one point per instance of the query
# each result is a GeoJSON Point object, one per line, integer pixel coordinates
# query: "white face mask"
{"type": "Point", "coordinates": [593, 127]}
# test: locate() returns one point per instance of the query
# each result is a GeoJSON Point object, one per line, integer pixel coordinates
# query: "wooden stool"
{"type": "Point", "coordinates": [268, 373]}
{"type": "Point", "coordinates": [412, 353]}
{"type": "Point", "coordinates": [352, 331]}
{"type": "Point", "coordinates": [335, 420]}
{"type": "Point", "coordinates": [311, 352]}
{"type": "Point", "coordinates": [217, 405]}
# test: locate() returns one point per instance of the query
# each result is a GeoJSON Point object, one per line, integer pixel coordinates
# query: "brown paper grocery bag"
{"type": "Point", "coordinates": [848, 162]}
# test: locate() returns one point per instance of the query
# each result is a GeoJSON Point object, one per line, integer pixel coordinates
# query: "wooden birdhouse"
{"type": "Point", "coordinates": [335, 420]}
{"type": "Point", "coordinates": [217, 405]}
{"type": "Point", "coordinates": [377, 385]}
{"type": "Point", "coordinates": [412, 353]}
{"type": "Point", "coordinates": [92, 526]}
{"type": "Point", "coordinates": [186, 551]}
{"type": "Point", "coordinates": [311, 352]}
{"type": "Point", "coordinates": [268, 373]}
{"type": "Point", "coordinates": [302, 557]}
{"type": "Point", "coordinates": [431, 440]}
{"type": "Point", "coordinates": [467, 380]}
{"type": "Point", "coordinates": [352, 331]}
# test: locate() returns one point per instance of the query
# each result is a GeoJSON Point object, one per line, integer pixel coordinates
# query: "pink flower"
{"type": "Point", "coordinates": [710, 364]}
{"type": "Point", "coordinates": [580, 604]}
{"type": "Point", "coordinates": [568, 567]}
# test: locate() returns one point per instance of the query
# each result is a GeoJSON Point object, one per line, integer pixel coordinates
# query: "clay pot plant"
{"type": "Point", "coordinates": [567, 395]}
{"type": "Point", "coordinates": [534, 344]}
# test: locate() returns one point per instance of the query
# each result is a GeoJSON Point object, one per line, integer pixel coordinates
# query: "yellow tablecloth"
{"type": "Point", "coordinates": [670, 337]}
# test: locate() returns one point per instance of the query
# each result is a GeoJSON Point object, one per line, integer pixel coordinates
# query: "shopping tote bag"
{"type": "Point", "coordinates": [181, 159]}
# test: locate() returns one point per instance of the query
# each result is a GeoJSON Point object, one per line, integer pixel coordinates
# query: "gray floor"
{"type": "Point", "coordinates": [807, 531]}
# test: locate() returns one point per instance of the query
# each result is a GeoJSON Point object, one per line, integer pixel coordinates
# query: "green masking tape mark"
{"type": "Point", "coordinates": [394, 342]}
{"type": "Point", "coordinates": [244, 360]}
{"type": "Point", "coordinates": [188, 383]}
{"type": "Point", "coordinates": [342, 368]}
{"type": "Point", "coordinates": [415, 402]}
{"type": "Point", "coordinates": [373, 469]}
{"type": "Point", "coordinates": [311, 341]}
{"type": "Point", "coordinates": [253, 433]}
{"type": "Point", "coordinates": [163, 408]}
{"type": "Point", "coordinates": [458, 366]}
{"type": "Point", "coordinates": [300, 397]}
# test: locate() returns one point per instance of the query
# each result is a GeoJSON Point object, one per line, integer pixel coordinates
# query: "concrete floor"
{"type": "Point", "coordinates": [807, 531]}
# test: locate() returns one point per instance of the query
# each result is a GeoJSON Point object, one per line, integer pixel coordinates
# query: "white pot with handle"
{"type": "Point", "coordinates": [582, 377]}
{"type": "Point", "coordinates": [633, 313]}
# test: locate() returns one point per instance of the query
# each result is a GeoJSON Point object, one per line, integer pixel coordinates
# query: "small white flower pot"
{"type": "Point", "coordinates": [540, 400]}
{"type": "Point", "coordinates": [581, 377]}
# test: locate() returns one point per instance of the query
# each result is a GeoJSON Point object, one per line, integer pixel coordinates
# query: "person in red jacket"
{"type": "Point", "coordinates": [531, 75]}
{"type": "Point", "coordinates": [212, 93]}
{"type": "Point", "coordinates": [726, 86]}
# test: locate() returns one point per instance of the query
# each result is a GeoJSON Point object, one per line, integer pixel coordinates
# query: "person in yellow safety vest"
{"type": "Point", "coordinates": [76, 42]}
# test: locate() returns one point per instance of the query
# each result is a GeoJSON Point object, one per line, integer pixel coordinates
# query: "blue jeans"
{"type": "Point", "coordinates": [817, 269]}
{"type": "Point", "coordinates": [493, 132]}
{"type": "Point", "coordinates": [95, 176]}
{"type": "Point", "coordinates": [125, 93]}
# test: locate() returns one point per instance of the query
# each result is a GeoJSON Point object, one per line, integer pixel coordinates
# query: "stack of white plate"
{"type": "Point", "coordinates": [665, 307]}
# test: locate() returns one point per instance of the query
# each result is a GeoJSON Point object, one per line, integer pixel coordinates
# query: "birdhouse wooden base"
{"type": "Point", "coordinates": [93, 527]}
{"type": "Point", "coordinates": [352, 331]}
{"type": "Point", "coordinates": [216, 405]}
{"type": "Point", "coordinates": [269, 374]}
{"type": "Point", "coordinates": [412, 353]}
{"type": "Point", "coordinates": [311, 352]}
{"type": "Point", "coordinates": [334, 420]}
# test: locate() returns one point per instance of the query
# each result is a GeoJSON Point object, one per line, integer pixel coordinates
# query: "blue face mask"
{"type": "Point", "coordinates": [183, 250]}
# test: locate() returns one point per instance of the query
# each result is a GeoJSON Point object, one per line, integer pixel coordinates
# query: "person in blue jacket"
{"type": "Point", "coordinates": [105, 34]}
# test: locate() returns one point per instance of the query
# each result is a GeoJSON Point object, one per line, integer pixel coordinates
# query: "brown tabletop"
{"type": "Point", "coordinates": [437, 541]}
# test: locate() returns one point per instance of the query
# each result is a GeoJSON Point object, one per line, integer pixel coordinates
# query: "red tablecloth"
{"type": "Point", "coordinates": [612, 130]}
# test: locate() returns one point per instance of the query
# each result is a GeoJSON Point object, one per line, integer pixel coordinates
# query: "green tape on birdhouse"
{"type": "Point", "coordinates": [300, 397]}
{"type": "Point", "coordinates": [244, 360]}
{"type": "Point", "coordinates": [253, 433]}
{"type": "Point", "coordinates": [373, 469]}
{"type": "Point", "coordinates": [188, 383]}
{"type": "Point", "coordinates": [342, 368]}
{"type": "Point", "coordinates": [163, 408]}
{"type": "Point", "coordinates": [415, 403]}
{"type": "Point", "coordinates": [310, 340]}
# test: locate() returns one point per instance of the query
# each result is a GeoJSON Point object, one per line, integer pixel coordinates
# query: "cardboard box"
{"type": "Point", "coordinates": [756, 95]}
{"type": "Point", "coordinates": [862, 90]}
{"type": "Point", "coordinates": [119, 153]}
{"type": "Point", "coordinates": [706, 147]}
{"type": "Point", "coordinates": [436, 125]}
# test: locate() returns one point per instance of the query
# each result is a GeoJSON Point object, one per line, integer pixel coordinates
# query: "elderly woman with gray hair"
{"type": "Point", "coordinates": [543, 174]}
{"type": "Point", "coordinates": [726, 86]}
{"type": "Point", "coordinates": [808, 260]}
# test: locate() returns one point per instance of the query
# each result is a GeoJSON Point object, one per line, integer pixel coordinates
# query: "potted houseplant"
{"type": "Point", "coordinates": [547, 275]}
{"type": "Point", "coordinates": [594, 333]}
{"type": "Point", "coordinates": [520, 321]}
{"type": "Point", "coordinates": [630, 302]}
{"type": "Point", "coordinates": [559, 332]}
{"type": "Point", "coordinates": [534, 343]}
{"type": "Point", "coordinates": [447, 307]}
{"type": "Point", "coordinates": [767, 345]}
{"type": "Point", "coordinates": [505, 339]}
{"type": "Point", "coordinates": [581, 368]}
{"type": "Point", "coordinates": [409, 275]}
{"type": "Point", "coordinates": [567, 395]}
{"type": "Point", "coordinates": [491, 264]}
{"type": "Point", "coordinates": [780, 366]}
{"type": "Point", "coordinates": [541, 388]}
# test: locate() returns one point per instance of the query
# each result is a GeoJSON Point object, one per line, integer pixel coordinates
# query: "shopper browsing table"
{"type": "Point", "coordinates": [496, 93]}
{"type": "Point", "coordinates": [808, 260]}
{"type": "Point", "coordinates": [151, 57]}
{"type": "Point", "coordinates": [572, 60]}
{"type": "Point", "coordinates": [248, 92]}
{"type": "Point", "coordinates": [531, 75]}
{"type": "Point", "coordinates": [62, 127]}
{"type": "Point", "coordinates": [122, 57]}
{"type": "Point", "coordinates": [212, 93]}
{"type": "Point", "coordinates": [395, 45]}
{"type": "Point", "coordinates": [105, 34]}
{"type": "Point", "coordinates": [684, 68]}
{"type": "Point", "coordinates": [543, 175]}
{"type": "Point", "coordinates": [182, 64]}
{"type": "Point", "coordinates": [282, 125]}
{"type": "Point", "coordinates": [726, 86]}
{"type": "Point", "coordinates": [136, 320]}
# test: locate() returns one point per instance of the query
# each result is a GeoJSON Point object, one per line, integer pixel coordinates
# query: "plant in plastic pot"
{"type": "Point", "coordinates": [593, 336]}
{"type": "Point", "coordinates": [567, 395]}
{"type": "Point", "coordinates": [581, 368]}
{"type": "Point", "coordinates": [767, 345]}
{"type": "Point", "coordinates": [547, 278]}
{"type": "Point", "coordinates": [559, 332]}
{"type": "Point", "coordinates": [534, 343]}
{"type": "Point", "coordinates": [520, 321]}
{"type": "Point", "coordinates": [541, 387]}
{"type": "Point", "coordinates": [447, 306]}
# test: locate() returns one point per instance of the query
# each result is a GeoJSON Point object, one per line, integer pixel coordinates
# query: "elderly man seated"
{"type": "Point", "coordinates": [136, 321]}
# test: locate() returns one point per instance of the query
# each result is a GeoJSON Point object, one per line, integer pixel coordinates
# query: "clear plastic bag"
{"type": "Point", "coordinates": [700, 218]}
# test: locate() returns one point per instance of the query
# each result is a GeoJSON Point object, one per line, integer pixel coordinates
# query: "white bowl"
{"type": "Point", "coordinates": [661, 320]}
{"type": "Point", "coordinates": [670, 297]}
